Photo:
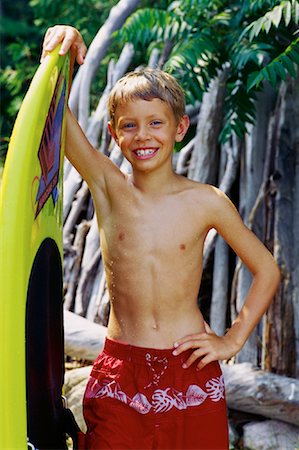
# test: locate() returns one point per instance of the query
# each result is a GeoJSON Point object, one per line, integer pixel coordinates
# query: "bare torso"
{"type": "Point", "coordinates": [152, 248]}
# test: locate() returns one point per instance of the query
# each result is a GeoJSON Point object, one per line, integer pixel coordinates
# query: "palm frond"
{"type": "Point", "coordinates": [239, 110]}
{"type": "Point", "coordinates": [148, 24]}
{"type": "Point", "coordinates": [286, 10]}
{"type": "Point", "coordinates": [195, 62]}
{"type": "Point", "coordinates": [278, 68]}
{"type": "Point", "coordinates": [245, 52]}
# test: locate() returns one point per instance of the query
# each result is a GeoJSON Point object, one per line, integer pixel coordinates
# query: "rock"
{"type": "Point", "coordinates": [270, 435]}
{"type": "Point", "coordinates": [74, 387]}
{"type": "Point", "coordinates": [233, 435]}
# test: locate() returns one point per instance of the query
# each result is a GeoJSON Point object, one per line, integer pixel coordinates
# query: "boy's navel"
{"type": "Point", "coordinates": [121, 236]}
{"type": "Point", "coordinates": [183, 247]}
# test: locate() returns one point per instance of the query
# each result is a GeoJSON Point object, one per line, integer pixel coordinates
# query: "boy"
{"type": "Point", "coordinates": [158, 383]}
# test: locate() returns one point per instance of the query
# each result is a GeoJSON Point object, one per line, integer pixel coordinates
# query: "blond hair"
{"type": "Point", "coordinates": [147, 84]}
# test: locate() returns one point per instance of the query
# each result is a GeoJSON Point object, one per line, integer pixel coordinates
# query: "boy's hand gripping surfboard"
{"type": "Point", "coordinates": [31, 302]}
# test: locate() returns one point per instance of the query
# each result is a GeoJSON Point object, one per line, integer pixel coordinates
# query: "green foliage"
{"type": "Point", "coordinates": [286, 10]}
{"type": "Point", "coordinates": [278, 68]}
{"type": "Point", "coordinates": [254, 38]}
{"type": "Point", "coordinates": [22, 27]}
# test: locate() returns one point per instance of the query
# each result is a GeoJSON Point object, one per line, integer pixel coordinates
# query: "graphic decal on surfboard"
{"type": "Point", "coordinates": [49, 150]}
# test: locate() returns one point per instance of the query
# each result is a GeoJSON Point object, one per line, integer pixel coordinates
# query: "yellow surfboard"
{"type": "Point", "coordinates": [31, 327]}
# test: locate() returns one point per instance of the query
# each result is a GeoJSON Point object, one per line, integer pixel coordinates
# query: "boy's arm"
{"type": "Point", "coordinates": [91, 164]}
{"type": "Point", "coordinates": [260, 262]}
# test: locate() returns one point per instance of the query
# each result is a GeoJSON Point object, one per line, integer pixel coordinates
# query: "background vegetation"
{"type": "Point", "coordinates": [23, 24]}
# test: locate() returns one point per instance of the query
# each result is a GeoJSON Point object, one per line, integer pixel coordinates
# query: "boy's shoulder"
{"type": "Point", "coordinates": [205, 192]}
{"type": "Point", "coordinates": [207, 202]}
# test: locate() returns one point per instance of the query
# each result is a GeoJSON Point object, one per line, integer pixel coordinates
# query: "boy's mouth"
{"type": "Point", "coordinates": [145, 153]}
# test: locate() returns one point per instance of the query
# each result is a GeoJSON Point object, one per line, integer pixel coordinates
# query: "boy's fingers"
{"type": "Point", "coordinates": [69, 37]}
{"type": "Point", "coordinates": [193, 341]}
{"type": "Point", "coordinates": [193, 357]}
{"type": "Point", "coordinates": [187, 338]}
{"type": "Point", "coordinates": [204, 361]}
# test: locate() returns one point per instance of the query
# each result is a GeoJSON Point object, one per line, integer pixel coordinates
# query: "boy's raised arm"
{"type": "Point", "coordinates": [91, 164]}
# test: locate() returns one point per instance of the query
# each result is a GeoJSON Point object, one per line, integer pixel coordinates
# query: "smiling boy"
{"type": "Point", "coordinates": [158, 384]}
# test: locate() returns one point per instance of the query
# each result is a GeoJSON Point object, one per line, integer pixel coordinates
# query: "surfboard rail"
{"type": "Point", "coordinates": [30, 214]}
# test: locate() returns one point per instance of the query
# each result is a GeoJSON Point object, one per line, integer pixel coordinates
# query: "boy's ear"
{"type": "Point", "coordinates": [112, 132]}
{"type": "Point", "coordinates": [182, 128]}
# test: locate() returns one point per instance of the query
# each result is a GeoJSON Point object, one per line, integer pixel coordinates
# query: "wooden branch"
{"type": "Point", "coordinates": [78, 247]}
{"type": "Point", "coordinates": [97, 293]}
{"type": "Point", "coordinates": [203, 164]}
{"type": "Point", "coordinates": [77, 207]}
{"type": "Point", "coordinates": [97, 50]}
{"type": "Point", "coordinates": [255, 391]}
{"type": "Point", "coordinates": [86, 281]}
{"type": "Point", "coordinates": [91, 248]}
{"type": "Point", "coordinates": [71, 185]}
{"type": "Point", "coordinates": [115, 71]}
{"type": "Point", "coordinates": [183, 157]}
{"type": "Point", "coordinates": [220, 288]}
{"type": "Point", "coordinates": [230, 173]}
{"type": "Point", "coordinates": [154, 58]}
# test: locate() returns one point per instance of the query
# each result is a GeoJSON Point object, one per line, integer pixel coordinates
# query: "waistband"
{"type": "Point", "coordinates": [139, 355]}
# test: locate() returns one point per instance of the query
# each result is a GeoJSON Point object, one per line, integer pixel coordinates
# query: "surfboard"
{"type": "Point", "coordinates": [31, 301]}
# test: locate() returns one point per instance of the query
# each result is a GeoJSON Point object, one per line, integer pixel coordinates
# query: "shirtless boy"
{"type": "Point", "coordinates": [158, 383]}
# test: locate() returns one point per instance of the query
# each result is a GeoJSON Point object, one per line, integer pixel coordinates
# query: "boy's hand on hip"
{"type": "Point", "coordinates": [69, 37]}
{"type": "Point", "coordinates": [208, 347]}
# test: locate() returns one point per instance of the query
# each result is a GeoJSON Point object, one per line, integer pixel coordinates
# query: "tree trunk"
{"type": "Point", "coordinates": [97, 122]}
{"type": "Point", "coordinates": [295, 272]}
{"type": "Point", "coordinates": [281, 351]}
{"type": "Point", "coordinates": [204, 160]}
{"type": "Point", "coordinates": [258, 392]}
{"type": "Point", "coordinates": [97, 50]}
{"type": "Point", "coordinates": [251, 178]}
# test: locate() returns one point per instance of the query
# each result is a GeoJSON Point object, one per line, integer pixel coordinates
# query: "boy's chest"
{"type": "Point", "coordinates": [163, 227]}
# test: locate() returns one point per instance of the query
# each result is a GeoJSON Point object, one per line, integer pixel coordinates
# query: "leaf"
{"type": "Point", "coordinates": [280, 70]}
{"type": "Point", "coordinates": [288, 64]}
{"type": "Point", "coordinates": [254, 80]}
{"type": "Point", "coordinates": [275, 15]}
{"type": "Point", "coordinates": [295, 11]}
{"type": "Point", "coordinates": [287, 13]}
{"type": "Point", "coordinates": [256, 28]}
{"type": "Point", "coordinates": [267, 24]}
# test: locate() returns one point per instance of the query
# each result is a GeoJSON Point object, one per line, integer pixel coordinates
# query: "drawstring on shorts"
{"type": "Point", "coordinates": [157, 372]}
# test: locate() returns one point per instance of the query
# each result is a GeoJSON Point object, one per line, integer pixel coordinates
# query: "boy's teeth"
{"type": "Point", "coordinates": [144, 152]}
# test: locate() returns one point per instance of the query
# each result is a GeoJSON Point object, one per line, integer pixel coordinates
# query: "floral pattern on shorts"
{"type": "Point", "coordinates": [162, 400]}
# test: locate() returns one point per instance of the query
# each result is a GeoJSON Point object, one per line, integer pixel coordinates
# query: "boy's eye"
{"type": "Point", "coordinates": [129, 125]}
{"type": "Point", "coordinates": [156, 122]}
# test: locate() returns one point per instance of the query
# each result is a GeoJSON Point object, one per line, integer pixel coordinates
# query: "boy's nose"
{"type": "Point", "coordinates": [141, 134]}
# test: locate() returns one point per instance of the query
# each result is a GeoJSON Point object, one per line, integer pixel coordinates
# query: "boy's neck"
{"type": "Point", "coordinates": [154, 182]}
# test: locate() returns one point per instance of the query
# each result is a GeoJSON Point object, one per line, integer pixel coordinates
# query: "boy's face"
{"type": "Point", "coordinates": [146, 132]}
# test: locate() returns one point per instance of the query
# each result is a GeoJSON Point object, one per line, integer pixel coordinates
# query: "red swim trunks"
{"type": "Point", "coordinates": [142, 398]}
